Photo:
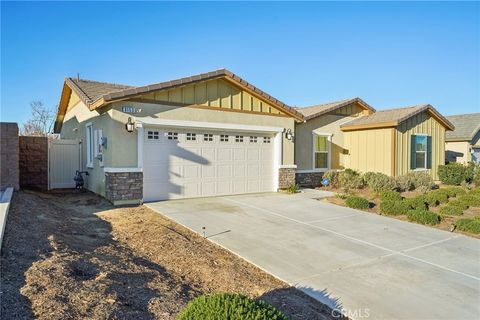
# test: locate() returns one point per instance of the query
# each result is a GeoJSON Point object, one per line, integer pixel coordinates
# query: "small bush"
{"type": "Point", "coordinates": [471, 200]}
{"type": "Point", "coordinates": [469, 225]}
{"type": "Point", "coordinates": [332, 176]}
{"type": "Point", "coordinates": [379, 182]}
{"type": "Point", "coordinates": [404, 183]}
{"type": "Point", "coordinates": [451, 210]}
{"type": "Point", "coordinates": [423, 217]}
{"type": "Point", "coordinates": [452, 173]}
{"type": "Point", "coordinates": [455, 191]}
{"type": "Point", "coordinates": [418, 202]}
{"type": "Point", "coordinates": [459, 203]}
{"type": "Point", "coordinates": [436, 197]}
{"type": "Point", "coordinates": [350, 179]}
{"type": "Point", "coordinates": [228, 306]}
{"type": "Point", "coordinates": [293, 189]}
{"type": "Point", "coordinates": [357, 202]}
{"type": "Point", "coordinates": [421, 181]}
{"type": "Point", "coordinates": [390, 195]}
{"type": "Point", "coordinates": [394, 208]}
{"type": "Point", "coordinates": [476, 176]}
{"type": "Point", "coordinates": [470, 172]}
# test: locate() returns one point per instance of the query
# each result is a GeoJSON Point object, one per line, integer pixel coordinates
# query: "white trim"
{"type": "Point", "coordinates": [89, 143]}
{"type": "Point", "coordinates": [140, 138]}
{"type": "Point", "coordinates": [329, 153]}
{"type": "Point", "coordinates": [425, 152]}
{"type": "Point", "coordinates": [288, 166]}
{"type": "Point", "coordinates": [277, 159]}
{"type": "Point", "coordinates": [127, 169]}
{"type": "Point", "coordinates": [312, 170]}
{"type": "Point", "coordinates": [205, 125]}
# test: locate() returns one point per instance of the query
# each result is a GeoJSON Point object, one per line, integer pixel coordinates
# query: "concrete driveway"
{"type": "Point", "coordinates": [366, 265]}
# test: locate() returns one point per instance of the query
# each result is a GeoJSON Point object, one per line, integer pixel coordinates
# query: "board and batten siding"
{"type": "Point", "coordinates": [217, 93]}
{"type": "Point", "coordinates": [370, 150]}
{"type": "Point", "coordinates": [422, 123]}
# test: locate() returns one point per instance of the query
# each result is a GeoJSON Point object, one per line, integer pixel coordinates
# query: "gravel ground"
{"type": "Point", "coordinates": [70, 255]}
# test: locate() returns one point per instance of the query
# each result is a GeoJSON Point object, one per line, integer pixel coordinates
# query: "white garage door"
{"type": "Point", "coordinates": [193, 163]}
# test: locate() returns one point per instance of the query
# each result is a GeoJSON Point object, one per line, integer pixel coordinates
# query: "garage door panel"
{"type": "Point", "coordinates": [207, 166]}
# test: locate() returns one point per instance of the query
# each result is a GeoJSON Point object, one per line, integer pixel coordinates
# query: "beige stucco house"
{"type": "Point", "coordinates": [205, 135]}
{"type": "Point", "coordinates": [463, 143]}
{"type": "Point", "coordinates": [351, 134]}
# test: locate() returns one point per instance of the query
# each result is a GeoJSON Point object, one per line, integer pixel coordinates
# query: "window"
{"type": "Point", "coordinates": [172, 135]}
{"type": "Point", "coordinates": [320, 152]}
{"type": "Point", "coordinates": [223, 138]}
{"type": "Point", "coordinates": [238, 138]}
{"type": "Point", "coordinates": [90, 146]}
{"type": "Point", "coordinates": [253, 139]}
{"type": "Point", "coordinates": [208, 137]}
{"type": "Point", "coordinates": [152, 135]}
{"type": "Point", "coordinates": [421, 148]}
{"type": "Point", "coordinates": [266, 139]}
{"type": "Point", "coordinates": [191, 136]}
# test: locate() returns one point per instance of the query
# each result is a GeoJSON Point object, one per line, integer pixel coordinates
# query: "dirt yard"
{"type": "Point", "coordinates": [72, 255]}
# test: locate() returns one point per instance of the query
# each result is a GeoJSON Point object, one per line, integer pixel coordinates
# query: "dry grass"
{"type": "Point", "coordinates": [71, 256]}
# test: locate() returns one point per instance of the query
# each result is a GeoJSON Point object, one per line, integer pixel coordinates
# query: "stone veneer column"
{"type": "Point", "coordinates": [286, 176]}
{"type": "Point", "coordinates": [124, 187]}
{"type": "Point", "coordinates": [9, 176]}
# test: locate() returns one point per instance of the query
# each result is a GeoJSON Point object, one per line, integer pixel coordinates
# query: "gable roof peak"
{"type": "Point", "coordinates": [314, 111]}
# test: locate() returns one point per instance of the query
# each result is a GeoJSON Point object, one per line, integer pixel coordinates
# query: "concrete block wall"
{"type": "Point", "coordinates": [9, 149]}
{"type": "Point", "coordinates": [33, 162]}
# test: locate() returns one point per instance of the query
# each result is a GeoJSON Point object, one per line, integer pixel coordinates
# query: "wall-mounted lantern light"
{"type": "Point", "coordinates": [129, 126]}
{"type": "Point", "coordinates": [289, 134]}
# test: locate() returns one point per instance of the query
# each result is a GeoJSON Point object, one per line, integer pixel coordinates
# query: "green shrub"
{"type": "Point", "coordinates": [379, 182]}
{"type": "Point", "coordinates": [357, 202]}
{"type": "Point", "coordinates": [350, 179]}
{"type": "Point", "coordinates": [418, 202]}
{"type": "Point", "coordinates": [390, 195]}
{"type": "Point", "coordinates": [476, 176]}
{"type": "Point", "coordinates": [228, 306]}
{"type": "Point", "coordinates": [459, 203]}
{"type": "Point", "coordinates": [436, 197]}
{"type": "Point", "coordinates": [454, 191]}
{"type": "Point", "coordinates": [471, 200]}
{"type": "Point", "coordinates": [420, 180]}
{"type": "Point", "coordinates": [469, 225]}
{"type": "Point", "coordinates": [332, 176]}
{"type": "Point", "coordinates": [452, 173]}
{"type": "Point", "coordinates": [293, 189]}
{"type": "Point", "coordinates": [404, 183]}
{"type": "Point", "coordinates": [394, 208]}
{"type": "Point", "coordinates": [470, 172]}
{"type": "Point", "coordinates": [451, 210]}
{"type": "Point", "coordinates": [423, 217]}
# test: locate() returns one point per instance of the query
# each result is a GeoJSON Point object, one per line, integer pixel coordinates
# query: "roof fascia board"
{"type": "Point", "coordinates": [370, 126]}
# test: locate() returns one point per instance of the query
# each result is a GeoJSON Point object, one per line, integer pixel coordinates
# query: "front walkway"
{"type": "Point", "coordinates": [369, 266]}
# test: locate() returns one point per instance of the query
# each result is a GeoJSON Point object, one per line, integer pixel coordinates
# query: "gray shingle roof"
{"type": "Point", "coordinates": [395, 115]}
{"type": "Point", "coordinates": [466, 126]}
{"type": "Point", "coordinates": [319, 109]}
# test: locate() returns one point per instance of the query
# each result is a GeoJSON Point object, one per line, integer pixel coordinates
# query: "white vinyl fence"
{"type": "Point", "coordinates": [64, 158]}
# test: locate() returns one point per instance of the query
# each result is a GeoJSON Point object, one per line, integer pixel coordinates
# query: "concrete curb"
{"type": "Point", "coordinates": [4, 206]}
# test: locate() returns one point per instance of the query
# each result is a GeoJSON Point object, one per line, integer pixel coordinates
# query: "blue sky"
{"type": "Point", "coordinates": [390, 54]}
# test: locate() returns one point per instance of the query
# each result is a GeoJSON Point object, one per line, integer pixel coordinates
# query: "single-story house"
{"type": "Point", "coordinates": [463, 143]}
{"type": "Point", "coordinates": [204, 135]}
{"type": "Point", "coordinates": [216, 134]}
{"type": "Point", "coordinates": [351, 134]}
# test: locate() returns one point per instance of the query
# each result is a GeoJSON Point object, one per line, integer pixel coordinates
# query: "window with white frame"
{"type": "Point", "coordinates": [208, 137]}
{"type": "Point", "coordinates": [266, 140]}
{"type": "Point", "coordinates": [172, 135]}
{"type": "Point", "coordinates": [224, 138]}
{"type": "Point", "coordinates": [191, 136]}
{"type": "Point", "coordinates": [153, 135]}
{"type": "Point", "coordinates": [421, 152]}
{"type": "Point", "coordinates": [238, 138]}
{"type": "Point", "coordinates": [253, 139]}
{"type": "Point", "coordinates": [89, 144]}
{"type": "Point", "coordinates": [320, 151]}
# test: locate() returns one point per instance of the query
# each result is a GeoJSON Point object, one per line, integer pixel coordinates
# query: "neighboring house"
{"type": "Point", "coordinates": [463, 143]}
{"type": "Point", "coordinates": [205, 135]}
{"type": "Point", "coordinates": [350, 134]}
